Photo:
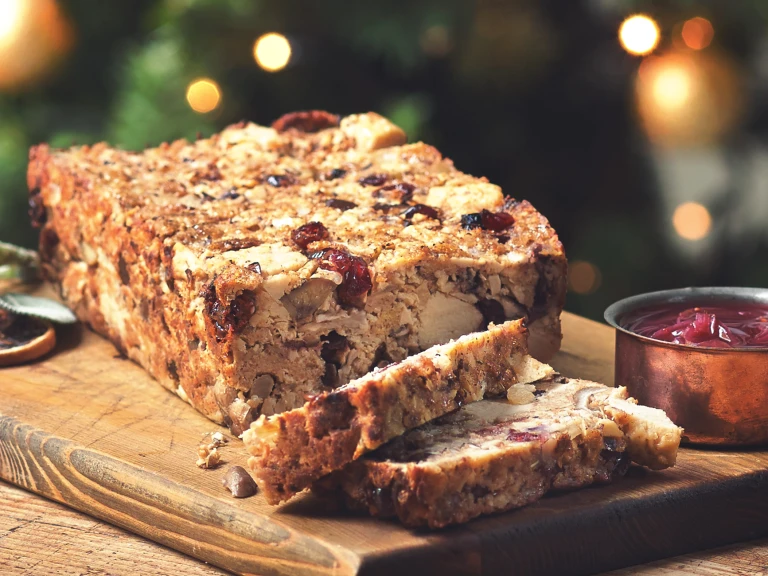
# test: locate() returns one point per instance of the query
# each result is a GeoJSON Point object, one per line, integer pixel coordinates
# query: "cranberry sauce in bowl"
{"type": "Point", "coordinates": [727, 324]}
{"type": "Point", "coordinates": [701, 355]}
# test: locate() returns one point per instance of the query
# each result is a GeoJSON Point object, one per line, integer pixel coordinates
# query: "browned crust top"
{"type": "Point", "coordinates": [251, 185]}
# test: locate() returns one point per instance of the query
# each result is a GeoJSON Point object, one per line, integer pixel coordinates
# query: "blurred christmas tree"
{"type": "Point", "coordinates": [536, 96]}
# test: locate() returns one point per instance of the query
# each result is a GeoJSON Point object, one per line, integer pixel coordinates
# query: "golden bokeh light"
{"type": "Point", "coordinates": [697, 33]}
{"type": "Point", "coordinates": [584, 277]}
{"type": "Point", "coordinates": [639, 34]}
{"type": "Point", "coordinates": [203, 95]}
{"type": "Point", "coordinates": [12, 14]}
{"type": "Point", "coordinates": [671, 87]}
{"type": "Point", "coordinates": [692, 221]}
{"type": "Point", "coordinates": [34, 37]}
{"type": "Point", "coordinates": [689, 98]}
{"type": "Point", "coordinates": [272, 51]}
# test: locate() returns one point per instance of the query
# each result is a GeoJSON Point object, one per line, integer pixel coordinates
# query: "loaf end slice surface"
{"type": "Point", "coordinates": [292, 449]}
{"type": "Point", "coordinates": [493, 456]}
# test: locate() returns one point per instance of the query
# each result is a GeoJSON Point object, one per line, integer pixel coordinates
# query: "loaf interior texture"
{"type": "Point", "coordinates": [492, 456]}
{"type": "Point", "coordinates": [294, 448]}
{"type": "Point", "coordinates": [255, 268]}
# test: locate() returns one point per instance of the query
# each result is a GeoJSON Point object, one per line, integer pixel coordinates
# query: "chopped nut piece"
{"type": "Point", "coordinates": [239, 482]}
{"type": "Point", "coordinates": [214, 439]}
{"type": "Point", "coordinates": [521, 394]}
{"type": "Point", "coordinates": [307, 298]}
{"type": "Point", "coordinates": [208, 457]}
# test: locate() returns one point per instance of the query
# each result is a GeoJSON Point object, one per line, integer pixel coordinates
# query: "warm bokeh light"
{"type": "Point", "coordinates": [272, 51]}
{"type": "Point", "coordinates": [583, 277]}
{"type": "Point", "coordinates": [691, 221]}
{"type": "Point", "coordinates": [203, 95]}
{"type": "Point", "coordinates": [689, 98]}
{"type": "Point", "coordinates": [671, 87]}
{"type": "Point", "coordinates": [639, 34]}
{"type": "Point", "coordinates": [436, 41]}
{"type": "Point", "coordinates": [12, 13]}
{"type": "Point", "coordinates": [34, 37]}
{"type": "Point", "coordinates": [697, 33]}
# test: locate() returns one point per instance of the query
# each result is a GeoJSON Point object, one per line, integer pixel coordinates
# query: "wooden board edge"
{"type": "Point", "coordinates": [564, 544]}
{"type": "Point", "coordinates": [151, 506]}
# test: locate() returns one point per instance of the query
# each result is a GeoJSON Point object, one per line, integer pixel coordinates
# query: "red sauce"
{"type": "Point", "coordinates": [722, 325]}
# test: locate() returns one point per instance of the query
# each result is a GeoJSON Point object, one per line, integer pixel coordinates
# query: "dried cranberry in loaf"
{"type": "Point", "coordinates": [340, 204]}
{"type": "Point", "coordinates": [234, 317]}
{"type": "Point", "coordinates": [422, 209]}
{"type": "Point", "coordinates": [496, 221]}
{"type": "Point", "coordinates": [306, 121]}
{"type": "Point", "coordinates": [487, 220]}
{"type": "Point", "coordinates": [304, 235]}
{"type": "Point", "coordinates": [356, 278]}
{"type": "Point", "coordinates": [373, 180]}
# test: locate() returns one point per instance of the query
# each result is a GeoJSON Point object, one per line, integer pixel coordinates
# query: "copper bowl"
{"type": "Point", "coordinates": [718, 395]}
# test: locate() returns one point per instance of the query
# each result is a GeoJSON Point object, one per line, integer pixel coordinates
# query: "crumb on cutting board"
{"type": "Point", "coordinates": [208, 455]}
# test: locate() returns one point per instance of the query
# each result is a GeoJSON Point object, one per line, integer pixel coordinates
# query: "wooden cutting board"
{"type": "Point", "coordinates": [94, 431]}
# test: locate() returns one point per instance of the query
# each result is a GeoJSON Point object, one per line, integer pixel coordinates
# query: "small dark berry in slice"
{"type": "Point", "coordinates": [254, 267]}
{"type": "Point", "coordinates": [356, 278]}
{"type": "Point", "coordinates": [487, 220]}
{"type": "Point", "coordinates": [423, 209]}
{"type": "Point", "coordinates": [241, 309]}
{"type": "Point", "coordinates": [234, 317]}
{"type": "Point", "coordinates": [471, 221]}
{"type": "Point", "coordinates": [278, 180]}
{"type": "Point", "coordinates": [336, 173]}
{"type": "Point", "coordinates": [229, 195]}
{"type": "Point", "coordinates": [356, 284]}
{"type": "Point", "coordinates": [373, 180]}
{"type": "Point", "coordinates": [496, 221]}
{"type": "Point", "coordinates": [340, 204]}
{"type": "Point", "coordinates": [308, 233]}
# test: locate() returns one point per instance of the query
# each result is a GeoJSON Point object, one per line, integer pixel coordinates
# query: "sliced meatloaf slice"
{"type": "Point", "coordinates": [292, 449]}
{"type": "Point", "coordinates": [492, 456]}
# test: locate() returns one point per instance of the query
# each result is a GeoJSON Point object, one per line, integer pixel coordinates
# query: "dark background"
{"type": "Point", "coordinates": [538, 96]}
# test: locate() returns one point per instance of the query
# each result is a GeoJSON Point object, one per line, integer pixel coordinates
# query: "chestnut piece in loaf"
{"type": "Point", "coordinates": [250, 269]}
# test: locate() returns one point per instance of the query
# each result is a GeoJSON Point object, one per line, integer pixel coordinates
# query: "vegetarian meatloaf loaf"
{"type": "Point", "coordinates": [292, 449]}
{"type": "Point", "coordinates": [248, 270]}
{"type": "Point", "coordinates": [492, 456]}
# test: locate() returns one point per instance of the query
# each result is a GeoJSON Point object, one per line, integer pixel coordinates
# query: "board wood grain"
{"type": "Point", "coordinates": [91, 430]}
{"type": "Point", "coordinates": [39, 537]}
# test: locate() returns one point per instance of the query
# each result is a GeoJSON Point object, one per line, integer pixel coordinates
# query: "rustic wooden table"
{"type": "Point", "coordinates": [39, 537]}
